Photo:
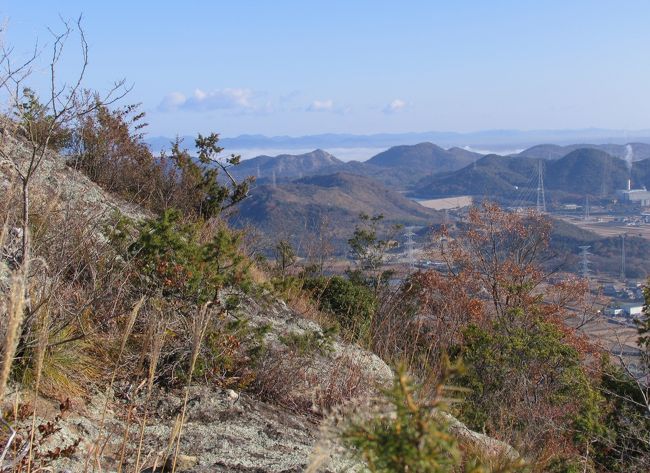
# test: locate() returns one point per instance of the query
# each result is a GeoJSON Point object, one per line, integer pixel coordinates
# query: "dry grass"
{"type": "Point", "coordinates": [307, 388]}
{"type": "Point", "coordinates": [15, 315]}
{"type": "Point", "coordinates": [199, 325]}
{"type": "Point", "coordinates": [96, 450]}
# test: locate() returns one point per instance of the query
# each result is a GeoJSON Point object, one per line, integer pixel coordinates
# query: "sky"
{"type": "Point", "coordinates": [309, 67]}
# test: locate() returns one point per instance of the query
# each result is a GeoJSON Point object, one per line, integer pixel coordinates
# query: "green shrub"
{"type": "Point", "coordinates": [626, 448]}
{"type": "Point", "coordinates": [171, 258]}
{"type": "Point", "coordinates": [230, 352]}
{"type": "Point", "coordinates": [527, 382]}
{"type": "Point", "coordinates": [410, 437]}
{"type": "Point", "coordinates": [352, 304]}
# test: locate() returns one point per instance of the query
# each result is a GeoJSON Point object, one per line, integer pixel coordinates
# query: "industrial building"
{"type": "Point", "coordinates": [634, 196]}
{"type": "Point", "coordinates": [633, 310]}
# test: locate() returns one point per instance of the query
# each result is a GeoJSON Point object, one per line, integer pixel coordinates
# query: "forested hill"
{"type": "Point", "coordinates": [305, 206]}
{"type": "Point", "coordinates": [286, 166]}
{"type": "Point", "coordinates": [581, 172]}
{"type": "Point", "coordinates": [424, 157]}
{"type": "Point", "coordinates": [631, 151]}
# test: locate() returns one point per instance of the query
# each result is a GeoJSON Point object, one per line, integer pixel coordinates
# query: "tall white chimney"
{"type": "Point", "coordinates": [629, 184]}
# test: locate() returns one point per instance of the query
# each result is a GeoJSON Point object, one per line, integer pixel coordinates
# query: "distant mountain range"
{"type": "Point", "coordinates": [305, 196]}
{"type": "Point", "coordinates": [495, 140]}
{"type": "Point", "coordinates": [428, 170]}
{"type": "Point", "coordinates": [397, 167]}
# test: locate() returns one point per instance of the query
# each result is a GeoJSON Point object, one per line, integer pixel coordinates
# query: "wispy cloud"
{"type": "Point", "coordinates": [321, 106]}
{"type": "Point", "coordinates": [245, 101]}
{"type": "Point", "coordinates": [172, 101]}
{"type": "Point", "coordinates": [200, 100]}
{"type": "Point", "coordinates": [395, 106]}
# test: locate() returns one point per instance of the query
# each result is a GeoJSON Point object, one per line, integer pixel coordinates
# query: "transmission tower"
{"type": "Point", "coordinates": [623, 257]}
{"type": "Point", "coordinates": [409, 246]}
{"type": "Point", "coordinates": [584, 269]}
{"type": "Point", "coordinates": [541, 198]}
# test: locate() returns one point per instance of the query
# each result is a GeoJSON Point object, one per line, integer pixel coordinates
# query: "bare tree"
{"type": "Point", "coordinates": [39, 124]}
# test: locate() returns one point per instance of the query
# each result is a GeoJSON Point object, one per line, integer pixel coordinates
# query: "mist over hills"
{"type": "Point", "coordinates": [628, 151]}
{"type": "Point", "coordinates": [397, 167]}
{"type": "Point", "coordinates": [495, 140]}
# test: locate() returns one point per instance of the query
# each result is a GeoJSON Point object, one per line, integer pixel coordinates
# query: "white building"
{"type": "Point", "coordinates": [633, 310]}
{"type": "Point", "coordinates": [634, 196]}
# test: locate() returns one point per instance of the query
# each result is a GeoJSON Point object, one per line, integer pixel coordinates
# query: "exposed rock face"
{"type": "Point", "coordinates": [245, 436]}
{"type": "Point", "coordinates": [64, 186]}
{"type": "Point", "coordinates": [218, 436]}
{"type": "Point", "coordinates": [225, 431]}
{"type": "Point", "coordinates": [282, 320]}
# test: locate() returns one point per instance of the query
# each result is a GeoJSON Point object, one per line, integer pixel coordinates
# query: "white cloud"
{"type": "Point", "coordinates": [172, 101]}
{"type": "Point", "coordinates": [321, 106]}
{"type": "Point", "coordinates": [229, 98]}
{"type": "Point", "coordinates": [395, 106]}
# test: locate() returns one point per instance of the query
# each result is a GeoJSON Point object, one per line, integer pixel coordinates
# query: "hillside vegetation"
{"type": "Point", "coordinates": [142, 332]}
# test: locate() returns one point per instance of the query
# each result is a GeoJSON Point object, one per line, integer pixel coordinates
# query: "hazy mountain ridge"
{"type": "Point", "coordinates": [424, 157]}
{"type": "Point", "coordinates": [582, 171]}
{"type": "Point", "coordinates": [490, 139]}
{"type": "Point", "coordinates": [397, 167]}
{"type": "Point", "coordinates": [631, 151]}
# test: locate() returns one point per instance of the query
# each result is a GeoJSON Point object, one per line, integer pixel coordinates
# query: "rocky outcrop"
{"type": "Point", "coordinates": [60, 185]}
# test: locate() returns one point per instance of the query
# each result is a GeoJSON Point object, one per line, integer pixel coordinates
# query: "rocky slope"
{"type": "Point", "coordinates": [225, 431]}
{"type": "Point", "coordinates": [270, 425]}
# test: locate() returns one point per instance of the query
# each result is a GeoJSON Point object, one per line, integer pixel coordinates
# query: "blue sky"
{"type": "Point", "coordinates": [306, 67]}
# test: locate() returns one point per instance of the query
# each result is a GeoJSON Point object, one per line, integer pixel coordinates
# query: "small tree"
{"type": "Point", "coordinates": [285, 257]}
{"type": "Point", "coordinates": [414, 438]}
{"type": "Point", "coordinates": [369, 251]}
{"type": "Point", "coordinates": [406, 432]}
{"type": "Point", "coordinates": [203, 190]}
{"type": "Point", "coordinates": [501, 253]}
{"type": "Point", "coordinates": [107, 145]}
{"type": "Point", "coordinates": [171, 260]}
